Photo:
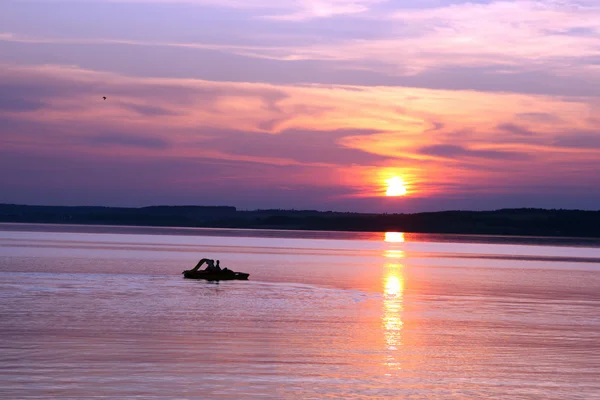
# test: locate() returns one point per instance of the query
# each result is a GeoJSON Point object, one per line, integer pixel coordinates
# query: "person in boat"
{"type": "Point", "coordinates": [212, 267]}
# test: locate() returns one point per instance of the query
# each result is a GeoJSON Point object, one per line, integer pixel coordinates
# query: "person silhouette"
{"type": "Point", "coordinates": [210, 266]}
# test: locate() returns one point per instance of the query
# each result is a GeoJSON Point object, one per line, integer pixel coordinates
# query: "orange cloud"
{"type": "Point", "coordinates": [439, 142]}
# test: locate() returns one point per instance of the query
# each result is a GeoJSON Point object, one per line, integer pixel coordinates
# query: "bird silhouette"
{"type": "Point", "coordinates": [104, 97]}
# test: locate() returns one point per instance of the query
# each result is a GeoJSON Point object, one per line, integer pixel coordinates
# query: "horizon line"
{"type": "Point", "coordinates": [304, 210]}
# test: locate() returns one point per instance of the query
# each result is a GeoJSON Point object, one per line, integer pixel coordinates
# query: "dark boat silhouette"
{"type": "Point", "coordinates": [223, 275]}
{"type": "Point", "coordinates": [214, 275]}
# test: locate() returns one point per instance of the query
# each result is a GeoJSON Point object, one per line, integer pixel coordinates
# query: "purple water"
{"type": "Point", "coordinates": [104, 312]}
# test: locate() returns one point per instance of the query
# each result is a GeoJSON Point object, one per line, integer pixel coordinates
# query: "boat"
{"type": "Point", "coordinates": [223, 275]}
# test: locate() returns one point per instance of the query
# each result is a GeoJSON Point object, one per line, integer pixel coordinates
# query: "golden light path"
{"type": "Point", "coordinates": [393, 290]}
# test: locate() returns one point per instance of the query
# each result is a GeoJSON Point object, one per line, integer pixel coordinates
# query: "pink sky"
{"type": "Point", "coordinates": [309, 104]}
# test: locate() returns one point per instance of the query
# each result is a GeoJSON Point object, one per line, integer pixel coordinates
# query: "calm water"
{"type": "Point", "coordinates": [104, 312]}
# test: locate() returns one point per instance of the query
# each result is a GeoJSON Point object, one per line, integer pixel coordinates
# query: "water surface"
{"type": "Point", "coordinates": [103, 312]}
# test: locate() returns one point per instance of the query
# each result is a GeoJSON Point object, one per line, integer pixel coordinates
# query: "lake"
{"type": "Point", "coordinates": [104, 312]}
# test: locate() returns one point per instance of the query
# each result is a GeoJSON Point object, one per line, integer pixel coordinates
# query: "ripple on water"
{"type": "Point", "coordinates": [119, 321]}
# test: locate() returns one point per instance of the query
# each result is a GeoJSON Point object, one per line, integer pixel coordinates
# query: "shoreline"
{"type": "Point", "coordinates": [523, 222]}
{"type": "Point", "coordinates": [504, 222]}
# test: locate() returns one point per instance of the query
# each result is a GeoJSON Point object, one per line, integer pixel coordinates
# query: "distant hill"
{"type": "Point", "coordinates": [523, 221]}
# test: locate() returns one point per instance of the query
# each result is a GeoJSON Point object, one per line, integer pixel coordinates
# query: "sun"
{"type": "Point", "coordinates": [395, 187]}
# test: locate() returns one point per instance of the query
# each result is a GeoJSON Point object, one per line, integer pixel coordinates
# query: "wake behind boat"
{"type": "Point", "coordinates": [213, 272]}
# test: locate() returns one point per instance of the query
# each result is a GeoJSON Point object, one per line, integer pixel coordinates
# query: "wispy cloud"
{"type": "Point", "coordinates": [121, 139]}
{"type": "Point", "coordinates": [455, 151]}
{"type": "Point", "coordinates": [579, 140]}
{"type": "Point", "coordinates": [352, 138]}
{"type": "Point", "coordinates": [14, 102]}
{"type": "Point", "coordinates": [515, 129]}
{"type": "Point", "coordinates": [289, 10]}
{"type": "Point", "coordinates": [310, 9]}
{"type": "Point", "coordinates": [554, 36]}
{"type": "Point", "coordinates": [267, 52]}
{"type": "Point", "coordinates": [518, 46]}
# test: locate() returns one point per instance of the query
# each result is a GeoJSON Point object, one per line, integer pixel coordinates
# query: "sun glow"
{"type": "Point", "coordinates": [395, 187]}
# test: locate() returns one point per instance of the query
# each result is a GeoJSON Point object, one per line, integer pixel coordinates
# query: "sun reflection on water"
{"type": "Point", "coordinates": [393, 304]}
{"type": "Point", "coordinates": [393, 291]}
{"type": "Point", "coordinates": [394, 237]}
{"type": "Point", "coordinates": [392, 312]}
{"type": "Point", "coordinates": [394, 253]}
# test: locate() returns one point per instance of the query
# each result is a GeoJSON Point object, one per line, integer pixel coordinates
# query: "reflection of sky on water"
{"type": "Point", "coordinates": [358, 319]}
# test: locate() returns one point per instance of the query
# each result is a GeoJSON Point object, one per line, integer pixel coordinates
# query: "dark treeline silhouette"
{"type": "Point", "coordinates": [523, 221]}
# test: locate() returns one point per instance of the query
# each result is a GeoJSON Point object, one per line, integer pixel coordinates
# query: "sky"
{"type": "Point", "coordinates": [305, 104]}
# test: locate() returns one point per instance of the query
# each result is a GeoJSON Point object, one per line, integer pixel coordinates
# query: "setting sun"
{"type": "Point", "coordinates": [395, 187]}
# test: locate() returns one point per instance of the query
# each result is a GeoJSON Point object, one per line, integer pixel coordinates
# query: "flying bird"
{"type": "Point", "coordinates": [104, 97]}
